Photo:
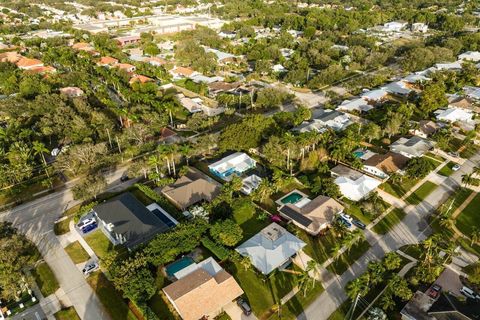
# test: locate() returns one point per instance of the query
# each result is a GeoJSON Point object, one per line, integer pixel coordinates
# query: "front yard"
{"type": "Point", "coordinates": [469, 218]}
{"type": "Point", "coordinates": [67, 314]}
{"type": "Point", "coordinates": [341, 264]}
{"type": "Point", "coordinates": [76, 252]}
{"type": "Point", "coordinates": [45, 279]}
{"type": "Point", "coordinates": [389, 221]}
{"type": "Point", "coordinates": [320, 248]}
{"type": "Point", "coordinates": [399, 189]}
{"type": "Point", "coordinates": [101, 245]}
{"type": "Point", "coordinates": [421, 193]}
{"type": "Point", "coordinates": [446, 170]}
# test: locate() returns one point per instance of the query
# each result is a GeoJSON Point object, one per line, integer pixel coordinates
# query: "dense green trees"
{"type": "Point", "coordinates": [226, 232]}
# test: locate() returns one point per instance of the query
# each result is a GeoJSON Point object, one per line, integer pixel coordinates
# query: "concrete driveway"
{"type": "Point", "coordinates": [234, 311]}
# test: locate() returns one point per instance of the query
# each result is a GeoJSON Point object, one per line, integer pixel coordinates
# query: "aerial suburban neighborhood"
{"type": "Point", "coordinates": [239, 160]}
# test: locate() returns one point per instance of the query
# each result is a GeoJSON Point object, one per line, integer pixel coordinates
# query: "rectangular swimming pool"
{"type": "Point", "coordinates": [178, 265]}
{"type": "Point", "coordinates": [163, 218]}
{"type": "Point", "coordinates": [292, 198]}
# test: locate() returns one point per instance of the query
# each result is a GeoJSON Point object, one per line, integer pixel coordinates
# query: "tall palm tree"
{"type": "Point", "coordinates": [155, 161]}
{"type": "Point", "coordinates": [467, 179]}
{"type": "Point", "coordinates": [474, 235]}
{"type": "Point", "coordinates": [447, 223]}
{"type": "Point", "coordinates": [40, 149]}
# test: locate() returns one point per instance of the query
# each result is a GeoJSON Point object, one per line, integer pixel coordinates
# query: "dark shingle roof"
{"type": "Point", "coordinates": [449, 307]}
{"type": "Point", "coordinates": [131, 219]}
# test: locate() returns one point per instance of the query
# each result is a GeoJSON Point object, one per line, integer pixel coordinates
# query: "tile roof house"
{"type": "Point", "coordinates": [72, 92]}
{"type": "Point", "coordinates": [382, 165]}
{"type": "Point", "coordinates": [353, 185]}
{"type": "Point", "coordinates": [234, 164]}
{"type": "Point", "coordinates": [107, 61]}
{"type": "Point", "coordinates": [41, 70]}
{"type": "Point", "coordinates": [203, 292]}
{"type": "Point", "coordinates": [411, 147]}
{"type": "Point", "coordinates": [125, 66]}
{"type": "Point", "coordinates": [83, 46]}
{"type": "Point", "coordinates": [271, 248]}
{"type": "Point", "coordinates": [313, 216]}
{"type": "Point", "coordinates": [192, 188]}
{"type": "Point", "coordinates": [27, 63]}
{"type": "Point", "coordinates": [139, 78]}
{"type": "Point", "coordinates": [125, 220]}
{"type": "Point", "coordinates": [182, 72]}
{"type": "Point", "coordinates": [358, 104]}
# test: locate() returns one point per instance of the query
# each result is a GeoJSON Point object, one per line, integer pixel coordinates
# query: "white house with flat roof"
{"type": "Point", "coordinates": [452, 114]}
{"type": "Point", "coordinates": [353, 184]}
{"type": "Point", "coordinates": [470, 56]}
{"type": "Point", "coordinates": [234, 164]}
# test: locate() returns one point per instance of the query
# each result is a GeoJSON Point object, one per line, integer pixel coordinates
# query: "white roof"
{"type": "Point", "coordinates": [270, 248]}
{"type": "Point", "coordinates": [452, 114]}
{"type": "Point", "coordinates": [359, 104]}
{"type": "Point", "coordinates": [449, 66]}
{"type": "Point", "coordinates": [238, 160]}
{"type": "Point", "coordinates": [202, 78]}
{"type": "Point", "coordinates": [375, 95]}
{"type": "Point", "coordinates": [472, 92]}
{"type": "Point", "coordinates": [398, 87]}
{"type": "Point", "coordinates": [356, 189]}
{"type": "Point", "coordinates": [209, 265]}
{"type": "Point", "coordinates": [470, 56]}
{"type": "Point", "coordinates": [250, 183]}
{"type": "Point", "coordinates": [414, 77]}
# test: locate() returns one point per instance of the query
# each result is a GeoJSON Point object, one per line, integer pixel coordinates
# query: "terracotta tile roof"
{"type": "Point", "coordinates": [125, 66]}
{"type": "Point", "coordinates": [388, 163]}
{"type": "Point", "coordinates": [82, 46]}
{"type": "Point", "coordinates": [27, 63]}
{"type": "Point", "coordinates": [156, 61]}
{"type": "Point", "coordinates": [140, 78]}
{"type": "Point", "coordinates": [107, 61]}
{"type": "Point", "coordinates": [11, 57]}
{"type": "Point", "coordinates": [183, 71]}
{"type": "Point", "coordinates": [199, 294]}
{"type": "Point", "coordinates": [42, 69]}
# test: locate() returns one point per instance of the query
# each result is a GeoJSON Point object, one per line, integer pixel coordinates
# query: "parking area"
{"type": "Point", "coordinates": [234, 311]}
{"type": "Point", "coordinates": [449, 280]}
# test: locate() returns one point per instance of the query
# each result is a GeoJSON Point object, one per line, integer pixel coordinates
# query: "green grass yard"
{"type": "Point", "coordinates": [389, 221]}
{"type": "Point", "coordinates": [469, 218]}
{"type": "Point", "coordinates": [111, 299]}
{"type": "Point", "coordinates": [67, 314]}
{"type": "Point", "coordinates": [341, 264]}
{"type": "Point", "coordinates": [76, 252]}
{"type": "Point", "coordinates": [45, 279]}
{"type": "Point", "coordinates": [101, 245]}
{"type": "Point", "coordinates": [421, 193]}
{"type": "Point", "coordinates": [399, 189]}
{"type": "Point", "coordinates": [446, 170]}
{"type": "Point", "coordinates": [245, 213]}
{"type": "Point", "coordinates": [62, 227]}
{"type": "Point", "coordinates": [319, 247]}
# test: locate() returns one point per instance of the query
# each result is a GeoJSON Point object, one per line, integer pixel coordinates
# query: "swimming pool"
{"type": "Point", "coordinates": [292, 198]}
{"type": "Point", "coordinates": [178, 265]}
{"type": "Point", "coordinates": [358, 154]}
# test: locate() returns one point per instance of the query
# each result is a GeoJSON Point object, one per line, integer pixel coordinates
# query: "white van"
{"type": "Point", "coordinates": [467, 292]}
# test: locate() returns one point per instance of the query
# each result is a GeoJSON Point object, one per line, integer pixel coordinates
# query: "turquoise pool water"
{"type": "Point", "coordinates": [292, 198]}
{"type": "Point", "coordinates": [358, 154]}
{"type": "Point", "coordinates": [178, 265]}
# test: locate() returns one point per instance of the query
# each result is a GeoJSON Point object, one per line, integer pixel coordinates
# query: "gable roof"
{"type": "Point", "coordinates": [388, 163]}
{"type": "Point", "coordinates": [131, 219]}
{"type": "Point", "coordinates": [414, 146]}
{"type": "Point", "coordinates": [314, 213]}
{"type": "Point", "coordinates": [107, 61]}
{"type": "Point", "coordinates": [140, 78]}
{"type": "Point", "coordinates": [184, 71]}
{"type": "Point", "coordinates": [448, 307]}
{"type": "Point", "coordinates": [26, 63]}
{"type": "Point", "coordinates": [192, 188]}
{"type": "Point", "coordinates": [200, 293]}
{"type": "Point", "coordinates": [270, 248]}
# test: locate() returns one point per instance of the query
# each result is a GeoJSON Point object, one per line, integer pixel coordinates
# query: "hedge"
{"type": "Point", "coordinates": [218, 250]}
{"type": "Point", "coordinates": [163, 202]}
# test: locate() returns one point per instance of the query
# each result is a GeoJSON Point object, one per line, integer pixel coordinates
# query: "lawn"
{"type": "Point", "coordinates": [458, 198]}
{"type": "Point", "coordinates": [399, 189]}
{"type": "Point", "coordinates": [446, 170]}
{"type": "Point", "coordinates": [111, 299]}
{"type": "Point", "coordinates": [245, 213]}
{"type": "Point", "coordinates": [67, 314]}
{"type": "Point", "coordinates": [76, 252]}
{"type": "Point", "coordinates": [421, 193]}
{"type": "Point", "coordinates": [389, 221]}
{"type": "Point", "coordinates": [62, 227]}
{"type": "Point", "coordinates": [341, 264]}
{"type": "Point", "coordinates": [435, 156]}
{"type": "Point", "coordinates": [101, 245]}
{"type": "Point", "coordinates": [45, 279]}
{"type": "Point", "coordinates": [319, 247]}
{"type": "Point", "coordinates": [413, 250]}
{"type": "Point", "coordinates": [341, 312]}
{"type": "Point", "coordinates": [159, 304]}
{"type": "Point", "coordinates": [469, 218]}
{"type": "Point", "coordinates": [469, 151]}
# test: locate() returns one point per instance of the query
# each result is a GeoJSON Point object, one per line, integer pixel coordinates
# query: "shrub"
{"type": "Point", "coordinates": [218, 250]}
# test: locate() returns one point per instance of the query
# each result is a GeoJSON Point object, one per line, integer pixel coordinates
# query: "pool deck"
{"type": "Point", "coordinates": [279, 201]}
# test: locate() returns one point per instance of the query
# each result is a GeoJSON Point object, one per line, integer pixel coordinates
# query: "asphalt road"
{"type": "Point", "coordinates": [36, 220]}
{"type": "Point", "coordinates": [411, 230]}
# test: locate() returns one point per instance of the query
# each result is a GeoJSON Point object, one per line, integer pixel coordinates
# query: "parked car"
{"type": "Point", "coordinates": [456, 167]}
{"type": "Point", "coordinates": [89, 268]}
{"type": "Point", "coordinates": [434, 291]}
{"type": "Point", "coordinates": [454, 154]}
{"type": "Point", "coordinates": [124, 178]}
{"type": "Point", "coordinates": [85, 222]}
{"type": "Point", "coordinates": [359, 224]}
{"type": "Point", "coordinates": [89, 228]}
{"type": "Point", "coordinates": [346, 217]}
{"type": "Point", "coordinates": [469, 293]}
{"type": "Point", "coordinates": [244, 306]}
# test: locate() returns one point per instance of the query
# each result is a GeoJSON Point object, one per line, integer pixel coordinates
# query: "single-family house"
{"type": "Point", "coordinates": [107, 62]}
{"type": "Point", "coordinates": [278, 68]}
{"type": "Point", "coordinates": [28, 63]}
{"type": "Point", "coordinates": [217, 87]}
{"type": "Point", "coordinates": [139, 78]}
{"type": "Point", "coordinates": [394, 26]}
{"type": "Point", "coordinates": [411, 147]}
{"type": "Point", "coordinates": [234, 164]}
{"type": "Point", "coordinates": [41, 70]}
{"type": "Point", "coordinates": [376, 95]}
{"type": "Point", "coordinates": [452, 114]}
{"type": "Point", "coordinates": [250, 184]}
{"type": "Point", "coordinates": [82, 46]}
{"type": "Point", "coordinates": [271, 248]}
{"type": "Point", "coordinates": [416, 78]}
{"type": "Point", "coordinates": [382, 165]}
{"type": "Point", "coordinates": [191, 104]}
{"type": "Point", "coordinates": [192, 188]}
{"type": "Point", "coordinates": [425, 128]}
{"type": "Point", "coordinates": [323, 119]}
{"type": "Point", "coordinates": [472, 92]}
{"type": "Point", "coordinates": [198, 78]}
{"type": "Point", "coordinates": [72, 92]}
{"type": "Point", "coordinates": [202, 291]}
{"type": "Point", "coordinates": [223, 57]}
{"type": "Point", "coordinates": [400, 88]}
{"type": "Point", "coordinates": [125, 66]}
{"type": "Point", "coordinates": [470, 56]}
{"type": "Point", "coordinates": [125, 220]}
{"type": "Point", "coordinates": [182, 72]}
{"type": "Point", "coordinates": [353, 185]}
{"type": "Point", "coordinates": [313, 216]}
{"type": "Point", "coordinates": [358, 104]}
{"type": "Point", "coordinates": [457, 65]}
{"type": "Point", "coordinates": [155, 61]}
{"type": "Point", "coordinates": [419, 27]}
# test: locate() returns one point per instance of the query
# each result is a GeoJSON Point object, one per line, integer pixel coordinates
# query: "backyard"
{"type": "Point", "coordinates": [421, 193]}
{"type": "Point", "coordinates": [246, 214]}
{"type": "Point", "coordinates": [389, 221]}
{"type": "Point", "coordinates": [45, 279]}
{"type": "Point", "coordinates": [76, 252]}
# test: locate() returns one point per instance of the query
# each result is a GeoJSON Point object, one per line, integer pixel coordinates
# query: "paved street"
{"type": "Point", "coordinates": [412, 229]}
{"type": "Point", "coordinates": [36, 219]}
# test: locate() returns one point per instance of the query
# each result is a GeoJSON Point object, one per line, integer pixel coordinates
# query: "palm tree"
{"type": "Point", "coordinates": [186, 150]}
{"type": "Point", "coordinates": [40, 149]}
{"type": "Point", "coordinates": [447, 223]}
{"type": "Point", "coordinates": [467, 179]}
{"type": "Point", "coordinates": [474, 235]}
{"type": "Point", "coordinates": [246, 262]}
{"type": "Point", "coordinates": [304, 281]}
{"type": "Point", "coordinates": [155, 161]}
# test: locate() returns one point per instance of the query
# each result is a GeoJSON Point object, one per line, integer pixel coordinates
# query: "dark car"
{"type": "Point", "coordinates": [124, 178]}
{"type": "Point", "coordinates": [244, 306]}
{"type": "Point", "coordinates": [358, 224]}
{"type": "Point", "coordinates": [434, 291]}
{"type": "Point", "coordinates": [89, 228]}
